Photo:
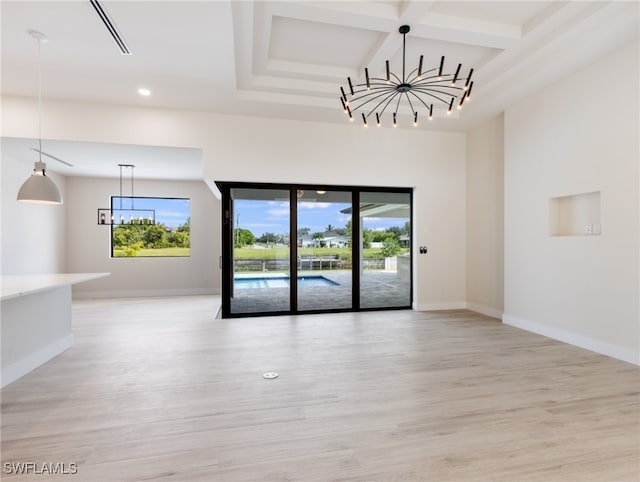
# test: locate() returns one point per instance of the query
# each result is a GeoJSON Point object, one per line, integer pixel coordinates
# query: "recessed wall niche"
{"type": "Point", "coordinates": [575, 215]}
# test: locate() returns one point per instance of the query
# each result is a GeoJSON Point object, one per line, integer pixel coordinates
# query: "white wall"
{"type": "Point", "coordinates": [431, 162]}
{"type": "Point", "coordinates": [88, 244]}
{"type": "Point", "coordinates": [580, 135]}
{"type": "Point", "coordinates": [485, 218]}
{"type": "Point", "coordinates": [33, 236]}
{"type": "Point", "coordinates": [251, 149]}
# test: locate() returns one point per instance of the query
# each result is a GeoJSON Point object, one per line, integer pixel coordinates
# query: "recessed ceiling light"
{"type": "Point", "coordinates": [144, 92]}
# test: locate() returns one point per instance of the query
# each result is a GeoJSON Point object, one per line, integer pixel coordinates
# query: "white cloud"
{"type": "Point", "coordinates": [313, 205]}
{"type": "Point", "coordinates": [278, 212]}
{"type": "Point", "coordinates": [263, 225]}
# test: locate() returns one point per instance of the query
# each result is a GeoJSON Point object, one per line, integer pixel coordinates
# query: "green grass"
{"type": "Point", "coordinates": [282, 252]}
{"type": "Point", "coordinates": [158, 252]}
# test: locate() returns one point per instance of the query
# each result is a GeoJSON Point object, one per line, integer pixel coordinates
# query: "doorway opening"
{"type": "Point", "coordinates": [290, 249]}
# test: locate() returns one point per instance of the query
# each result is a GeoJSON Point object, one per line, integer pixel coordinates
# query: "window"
{"type": "Point", "coordinates": [135, 237]}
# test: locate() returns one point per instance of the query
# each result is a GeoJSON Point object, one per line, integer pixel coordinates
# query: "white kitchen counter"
{"type": "Point", "coordinates": [12, 286]}
{"type": "Point", "coordinates": [36, 320]}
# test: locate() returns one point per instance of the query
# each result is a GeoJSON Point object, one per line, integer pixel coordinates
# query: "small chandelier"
{"type": "Point", "coordinates": [420, 88]}
{"type": "Point", "coordinates": [126, 215]}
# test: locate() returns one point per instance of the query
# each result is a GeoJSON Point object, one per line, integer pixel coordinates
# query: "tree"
{"type": "Point", "coordinates": [155, 236]}
{"type": "Point", "coordinates": [317, 235]}
{"type": "Point", "coordinates": [391, 248]}
{"type": "Point", "coordinates": [348, 232]}
{"type": "Point", "coordinates": [186, 227]}
{"type": "Point", "coordinates": [125, 235]}
{"type": "Point", "coordinates": [367, 238]}
{"type": "Point", "coordinates": [381, 236]}
{"type": "Point", "coordinates": [179, 239]}
{"type": "Point", "coordinates": [243, 237]}
{"type": "Point", "coordinates": [303, 232]}
{"type": "Point", "coordinates": [396, 230]}
{"type": "Point", "coordinates": [329, 228]}
{"type": "Point", "coordinates": [267, 238]}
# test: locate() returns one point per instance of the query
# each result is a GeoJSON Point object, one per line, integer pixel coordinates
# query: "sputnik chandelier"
{"type": "Point", "coordinates": [420, 88]}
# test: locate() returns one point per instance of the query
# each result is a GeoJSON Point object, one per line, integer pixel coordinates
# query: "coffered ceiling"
{"type": "Point", "coordinates": [288, 59]}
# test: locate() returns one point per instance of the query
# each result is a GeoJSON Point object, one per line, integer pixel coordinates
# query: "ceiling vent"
{"type": "Point", "coordinates": [110, 27]}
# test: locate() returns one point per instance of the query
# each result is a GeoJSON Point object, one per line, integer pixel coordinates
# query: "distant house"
{"type": "Point", "coordinates": [335, 241]}
{"type": "Point", "coordinates": [329, 240]}
{"type": "Point", "coordinates": [306, 242]}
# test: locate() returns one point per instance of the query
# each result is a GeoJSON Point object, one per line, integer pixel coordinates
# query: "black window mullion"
{"type": "Point", "coordinates": [227, 251]}
{"type": "Point", "coordinates": [356, 248]}
{"type": "Point", "coordinates": [293, 248]}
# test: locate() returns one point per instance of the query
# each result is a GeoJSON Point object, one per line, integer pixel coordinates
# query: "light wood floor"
{"type": "Point", "coordinates": [156, 389]}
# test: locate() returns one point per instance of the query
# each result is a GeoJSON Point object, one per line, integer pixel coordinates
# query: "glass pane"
{"type": "Point", "coordinates": [324, 250]}
{"type": "Point", "coordinates": [261, 276]}
{"type": "Point", "coordinates": [148, 226]}
{"type": "Point", "coordinates": [385, 266]}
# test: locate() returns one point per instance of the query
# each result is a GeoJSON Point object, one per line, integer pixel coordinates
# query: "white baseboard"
{"type": "Point", "coordinates": [484, 309]}
{"type": "Point", "coordinates": [84, 295]}
{"type": "Point", "coordinates": [588, 343]}
{"type": "Point", "coordinates": [21, 367]}
{"type": "Point", "coordinates": [445, 305]}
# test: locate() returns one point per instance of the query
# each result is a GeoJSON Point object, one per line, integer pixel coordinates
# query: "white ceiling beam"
{"type": "Point", "coordinates": [284, 85]}
{"type": "Point", "coordinates": [468, 31]}
{"type": "Point", "coordinates": [242, 16]}
{"type": "Point", "coordinates": [287, 98]}
{"type": "Point", "coordinates": [377, 16]}
{"type": "Point", "coordinates": [285, 68]}
{"type": "Point", "coordinates": [552, 24]}
{"type": "Point", "coordinates": [557, 57]}
{"type": "Point", "coordinates": [262, 21]}
{"type": "Point", "coordinates": [412, 11]}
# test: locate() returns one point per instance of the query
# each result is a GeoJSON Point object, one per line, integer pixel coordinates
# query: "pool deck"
{"type": "Point", "coordinates": [379, 289]}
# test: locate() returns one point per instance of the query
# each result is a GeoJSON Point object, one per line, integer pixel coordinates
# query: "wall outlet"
{"type": "Point", "coordinates": [588, 229]}
{"type": "Point", "coordinates": [597, 229]}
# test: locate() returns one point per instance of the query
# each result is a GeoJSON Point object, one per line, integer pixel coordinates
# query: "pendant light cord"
{"type": "Point", "coordinates": [120, 187]}
{"type": "Point", "coordinates": [404, 46]}
{"type": "Point", "coordinates": [39, 102]}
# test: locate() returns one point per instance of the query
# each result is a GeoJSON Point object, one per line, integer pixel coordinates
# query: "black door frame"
{"type": "Point", "coordinates": [226, 264]}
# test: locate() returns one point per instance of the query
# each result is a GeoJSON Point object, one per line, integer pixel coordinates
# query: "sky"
{"type": "Point", "coordinates": [261, 217]}
{"type": "Point", "coordinates": [170, 212]}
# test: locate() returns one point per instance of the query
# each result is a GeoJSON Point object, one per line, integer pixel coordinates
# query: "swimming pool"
{"type": "Point", "coordinates": [282, 282]}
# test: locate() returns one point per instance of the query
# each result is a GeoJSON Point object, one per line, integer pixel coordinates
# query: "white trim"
{"type": "Point", "coordinates": [484, 309]}
{"type": "Point", "coordinates": [588, 343]}
{"type": "Point", "coordinates": [21, 367]}
{"type": "Point", "coordinates": [445, 305]}
{"type": "Point", "coordinates": [83, 295]}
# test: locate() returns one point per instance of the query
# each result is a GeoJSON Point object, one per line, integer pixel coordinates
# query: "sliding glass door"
{"type": "Point", "coordinates": [309, 249]}
{"type": "Point", "coordinates": [385, 241]}
{"type": "Point", "coordinates": [324, 250]}
{"type": "Point", "coordinates": [259, 267]}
